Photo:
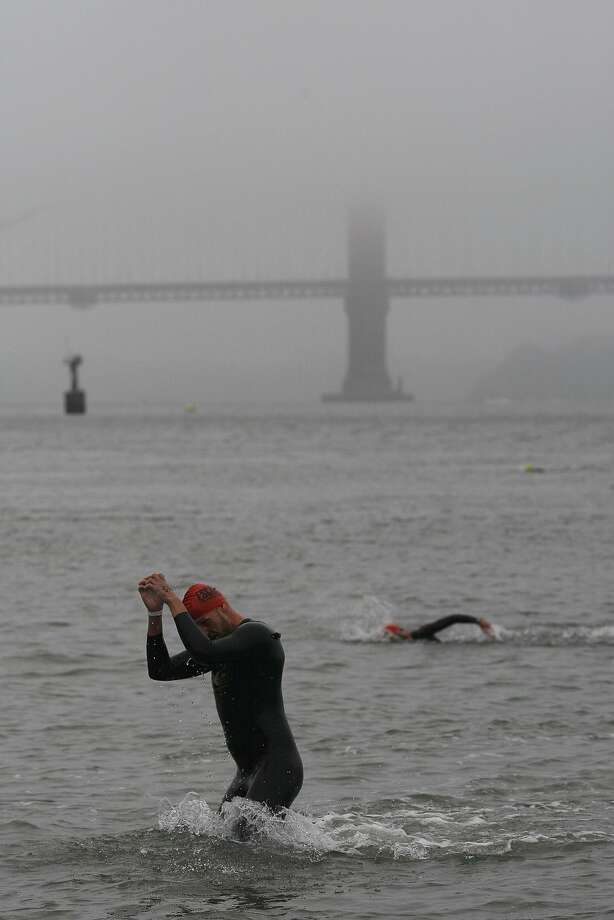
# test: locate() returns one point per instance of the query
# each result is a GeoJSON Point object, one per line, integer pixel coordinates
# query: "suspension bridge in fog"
{"type": "Point", "coordinates": [366, 292]}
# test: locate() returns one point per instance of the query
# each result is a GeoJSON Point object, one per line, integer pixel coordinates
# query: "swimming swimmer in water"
{"type": "Point", "coordinates": [246, 660]}
{"type": "Point", "coordinates": [428, 631]}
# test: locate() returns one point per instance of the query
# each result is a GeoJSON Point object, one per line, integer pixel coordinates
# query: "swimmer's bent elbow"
{"type": "Point", "coordinates": [160, 665]}
{"type": "Point", "coordinates": [158, 669]}
{"type": "Point", "coordinates": [154, 674]}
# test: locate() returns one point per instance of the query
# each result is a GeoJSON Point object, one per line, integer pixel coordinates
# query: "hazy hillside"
{"type": "Point", "coordinates": [582, 371]}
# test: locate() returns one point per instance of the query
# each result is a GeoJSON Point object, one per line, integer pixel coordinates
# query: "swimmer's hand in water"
{"type": "Point", "coordinates": [487, 628]}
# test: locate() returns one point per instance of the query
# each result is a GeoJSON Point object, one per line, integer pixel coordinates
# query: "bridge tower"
{"type": "Point", "coordinates": [366, 305]}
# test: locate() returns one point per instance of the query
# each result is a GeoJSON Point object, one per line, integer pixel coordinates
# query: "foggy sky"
{"type": "Point", "coordinates": [226, 139]}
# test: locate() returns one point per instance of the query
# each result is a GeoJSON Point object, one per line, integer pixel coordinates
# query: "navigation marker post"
{"type": "Point", "coordinates": [74, 399]}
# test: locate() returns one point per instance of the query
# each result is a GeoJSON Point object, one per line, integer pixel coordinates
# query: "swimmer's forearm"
{"type": "Point", "coordinates": [161, 666]}
{"type": "Point", "coordinates": [175, 604]}
{"type": "Point", "coordinates": [429, 630]}
{"type": "Point", "coordinates": [154, 625]}
{"type": "Point", "coordinates": [192, 637]}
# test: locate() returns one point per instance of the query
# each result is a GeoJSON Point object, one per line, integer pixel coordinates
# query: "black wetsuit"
{"type": "Point", "coordinates": [429, 629]}
{"type": "Point", "coordinates": [246, 668]}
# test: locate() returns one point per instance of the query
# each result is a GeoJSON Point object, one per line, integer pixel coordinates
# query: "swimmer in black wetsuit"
{"type": "Point", "coordinates": [246, 661]}
{"type": "Point", "coordinates": [429, 630]}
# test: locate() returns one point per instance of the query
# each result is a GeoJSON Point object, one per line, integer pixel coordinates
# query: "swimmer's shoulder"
{"type": "Point", "coordinates": [255, 632]}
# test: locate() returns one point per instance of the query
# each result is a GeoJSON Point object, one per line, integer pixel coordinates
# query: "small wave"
{"type": "Point", "coordinates": [17, 824]}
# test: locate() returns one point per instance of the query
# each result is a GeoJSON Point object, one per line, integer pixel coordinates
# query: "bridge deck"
{"type": "Point", "coordinates": [569, 287]}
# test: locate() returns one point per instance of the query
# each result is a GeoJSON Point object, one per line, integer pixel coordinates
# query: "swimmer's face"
{"type": "Point", "coordinates": [213, 624]}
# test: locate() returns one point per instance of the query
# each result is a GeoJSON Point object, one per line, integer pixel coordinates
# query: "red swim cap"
{"type": "Point", "coordinates": [201, 599]}
{"type": "Point", "coordinates": [392, 628]}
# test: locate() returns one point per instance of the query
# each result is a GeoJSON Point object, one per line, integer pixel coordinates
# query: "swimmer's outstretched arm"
{"type": "Point", "coordinates": [429, 630]}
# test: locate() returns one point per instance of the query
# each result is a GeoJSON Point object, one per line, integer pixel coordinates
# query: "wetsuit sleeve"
{"type": "Point", "coordinates": [245, 639]}
{"type": "Point", "coordinates": [429, 629]}
{"type": "Point", "coordinates": [161, 666]}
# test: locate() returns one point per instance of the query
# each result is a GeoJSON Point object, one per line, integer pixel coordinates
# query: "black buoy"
{"type": "Point", "coordinates": [74, 399]}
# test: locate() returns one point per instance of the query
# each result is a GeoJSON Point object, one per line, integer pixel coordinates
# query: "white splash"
{"type": "Point", "coordinates": [499, 633]}
{"type": "Point", "coordinates": [356, 834]}
{"type": "Point", "coordinates": [289, 829]}
{"type": "Point", "coordinates": [556, 635]}
{"type": "Point", "coordinates": [589, 634]}
{"type": "Point", "coordinates": [415, 833]}
{"type": "Point", "coordinates": [366, 621]}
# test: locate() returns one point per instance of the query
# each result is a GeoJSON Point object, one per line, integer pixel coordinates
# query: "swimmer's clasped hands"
{"type": "Point", "coordinates": [157, 584]}
{"type": "Point", "coordinates": [155, 591]}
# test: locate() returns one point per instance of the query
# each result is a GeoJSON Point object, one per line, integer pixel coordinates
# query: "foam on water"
{"type": "Point", "coordinates": [423, 832]}
{"type": "Point", "coordinates": [556, 635]}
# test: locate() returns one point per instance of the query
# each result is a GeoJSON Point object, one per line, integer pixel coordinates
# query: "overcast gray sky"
{"type": "Point", "coordinates": [177, 138]}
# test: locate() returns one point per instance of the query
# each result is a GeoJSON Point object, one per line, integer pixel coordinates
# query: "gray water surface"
{"type": "Point", "coordinates": [467, 779]}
